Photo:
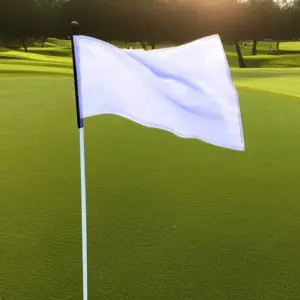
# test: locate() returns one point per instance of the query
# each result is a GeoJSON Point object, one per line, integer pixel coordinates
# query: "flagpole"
{"type": "Point", "coordinates": [83, 215]}
{"type": "Point", "coordinates": [75, 31]}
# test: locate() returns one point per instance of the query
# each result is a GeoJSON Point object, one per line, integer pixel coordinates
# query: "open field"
{"type": "Point", "coordinates": [57, 54]}
{"type": "Point", "coordinates": [295, 46]}
{"type": "Point", "coordinates": [168, 218]}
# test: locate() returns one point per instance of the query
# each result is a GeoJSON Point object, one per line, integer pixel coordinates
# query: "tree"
{"type": "Point", "coordinates": [263, 12]}
{"type": "Point", "coordinates": [20, 20]}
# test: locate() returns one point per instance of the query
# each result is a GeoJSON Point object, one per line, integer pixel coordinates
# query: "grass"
{"type": "Point", "coordinates": [285, 57]}
{"type": "Point", "coordinates": [293, 46]}
{"type": "Point", "coordinates": [57, 54]}
{"type": "Point", "coordinates": [168, 218]}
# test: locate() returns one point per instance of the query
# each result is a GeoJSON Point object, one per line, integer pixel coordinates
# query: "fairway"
{"type": "Point", "coordinates": [168, 218]}
{"type": "Point", "coordinates": [290, 46]}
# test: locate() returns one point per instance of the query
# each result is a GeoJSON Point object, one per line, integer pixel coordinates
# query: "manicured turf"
{"type": "Point", "coordinates": [290, 46]}
{"type": "Point", "coordinates": [57, 54]}
{"type": "Point", "coordinates": [168, 218]}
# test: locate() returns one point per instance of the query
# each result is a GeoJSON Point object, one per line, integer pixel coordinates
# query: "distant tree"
{"type": "Point", "coordinates": [254, 47]}
{"type": "Point", "coordinates": [263, 15]}
{"type": "Point", "coordinates": [152, 21]}
{"type": "Point", "coordinates": [19, 20]}
{"type": "Point", "coordinates": [277, 45]}
{"type": "Point", "coordinates": [50, 13]}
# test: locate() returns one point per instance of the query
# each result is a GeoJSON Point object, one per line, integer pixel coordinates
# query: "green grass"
{"type": "Point", "coordinates": [168, 218]}
{"type": "Point", "coordinates": [57, 54]}
{"type": "Point", "coordinates": [20, 55]}
{"type": "Point", "coordinates": [280, 81]}
{"type": "Point", "coordinates": [286, 57]}
{"type": "Point", "coordinates": [57, 51]}
{"type": "Point", "coordinates": [294, 46]}
{"type": "Point", "coordinates": [19, 62]}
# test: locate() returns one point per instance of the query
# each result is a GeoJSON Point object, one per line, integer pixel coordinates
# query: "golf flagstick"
{"type": "Point", "coordinates": [75, 31]}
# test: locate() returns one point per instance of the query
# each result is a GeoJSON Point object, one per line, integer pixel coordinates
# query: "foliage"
{"type": "Point", "coordinates": [151, 20]}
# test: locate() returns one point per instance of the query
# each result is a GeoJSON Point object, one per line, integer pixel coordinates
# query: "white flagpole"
{"type": "Point", "coordinates": [75, 30]}
{"type": "Point", "coordinates": [83, 214]}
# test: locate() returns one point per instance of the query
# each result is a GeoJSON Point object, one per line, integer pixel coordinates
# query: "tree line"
{"type": "Point", "coordinates": [152, 20]}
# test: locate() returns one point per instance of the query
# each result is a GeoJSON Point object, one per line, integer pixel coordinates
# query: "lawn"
{"type": "Point", "coordinates": [57, 54]}
{"type": "Point", "coordinates": [168, 218]}
{"type": "Point", "coordinates": [290, 46]}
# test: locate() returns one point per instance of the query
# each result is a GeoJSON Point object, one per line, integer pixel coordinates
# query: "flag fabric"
{"type": "Point", "coordinates": [186, 90]}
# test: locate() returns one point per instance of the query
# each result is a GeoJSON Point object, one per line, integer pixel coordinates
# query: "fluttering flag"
{"type": "Point", "coordinates": [186, 90]}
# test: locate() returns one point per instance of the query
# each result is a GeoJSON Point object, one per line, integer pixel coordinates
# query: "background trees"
{"type": "Point", "coordinates": [152, 20]}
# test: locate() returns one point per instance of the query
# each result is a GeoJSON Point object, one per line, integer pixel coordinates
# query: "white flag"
{"type": "Point", "coordinates": [186, 90]}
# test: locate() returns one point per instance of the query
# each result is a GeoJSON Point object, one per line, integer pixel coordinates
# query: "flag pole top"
{"type": "Point", "coordinates": [75, 28]}
{"type": "Point", "coordinates": [74, 32]}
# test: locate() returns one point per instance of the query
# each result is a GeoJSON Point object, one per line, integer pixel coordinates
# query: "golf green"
{"type": "Point", "coordinates": [168, 218]}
